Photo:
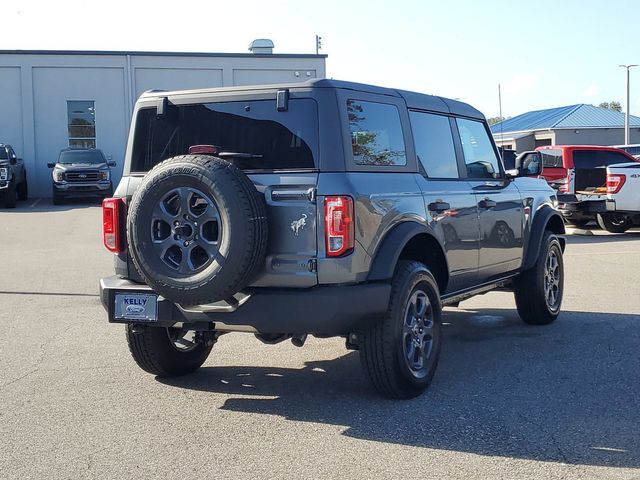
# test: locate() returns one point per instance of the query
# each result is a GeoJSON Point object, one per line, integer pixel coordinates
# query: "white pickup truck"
{"type": "Point", "coordinates": [616, 204]}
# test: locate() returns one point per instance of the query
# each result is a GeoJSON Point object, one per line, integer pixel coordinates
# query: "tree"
{"type": "Point", "coordinates": [494, 120]}
{"type": "Point", "coordinates": [615, 106]}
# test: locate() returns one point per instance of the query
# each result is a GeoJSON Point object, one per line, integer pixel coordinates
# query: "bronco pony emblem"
{"type": "Point", "coordinates": [299, 224]}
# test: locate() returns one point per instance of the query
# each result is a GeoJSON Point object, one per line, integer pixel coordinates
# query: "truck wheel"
{"type": "Point", "coordinates": [614, 222]}
{"type": "Point", "coordinates": [9, 200]}
{"type": "Point", "coordinates": [57, 199]}
{"type": "Point", "coordinates": [399, 352]}
{"type": "Point", "coordinates": [197, 229]}
{"type": "Point", "coordinates": [538, 291]}
{"type": "Point", "coordinates": [23, 191]}
{"type": "Point", "coordinates": [166, 352]}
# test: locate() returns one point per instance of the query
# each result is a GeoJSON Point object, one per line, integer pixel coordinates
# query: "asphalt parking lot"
{"type": "Point", "coordinates": [508, 400]}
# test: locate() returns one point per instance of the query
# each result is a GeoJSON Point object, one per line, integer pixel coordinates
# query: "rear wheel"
{"type": "Point", "coordinates": [614, 222]}
{"type": "Point", "coordinates": [539, 290]}
{"type": "Point", "coordinates": [167, 352]}
{"type": "Point", "coordinates": [399, 352]}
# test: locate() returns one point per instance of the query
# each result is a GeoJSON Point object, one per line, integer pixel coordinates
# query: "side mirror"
{"type": "Point", "coordinates": [111, 164]}
{"type": "Point", "coordinates": [13, 161]}
{"type": "Point", "coordinates": [529, 164]}
{"type": "Point", "coordinates": [512, 173]}
{"type": "Point", "coordinates": [51, 165]}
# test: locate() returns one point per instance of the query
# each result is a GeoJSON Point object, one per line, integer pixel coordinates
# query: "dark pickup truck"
{"type": "Point", "coordinates": [13, 177]}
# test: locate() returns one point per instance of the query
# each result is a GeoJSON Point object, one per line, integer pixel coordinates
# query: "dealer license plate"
{"type": "Point", "coordinates": [141, 307]}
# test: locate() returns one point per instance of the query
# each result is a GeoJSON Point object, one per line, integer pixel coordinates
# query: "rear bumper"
{"type": "Point", "coordinates": [571, 207]}
{"type": "Point", "coordinates": [321, 310]}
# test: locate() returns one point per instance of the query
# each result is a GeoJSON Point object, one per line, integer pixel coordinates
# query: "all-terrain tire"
{"type": "Point", "coordinates": [614, 223]}
{"type": "Point", "coordinates": [538, 290]}
{"type": "Point", "coordinates": [154, 352]}
{"type": "Point", "coordinates": [383, 342]}
{"type": "Point", "coordinates": [241, 229]}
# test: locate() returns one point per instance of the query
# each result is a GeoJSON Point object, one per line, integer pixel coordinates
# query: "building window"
{"type": "Point", "coordinates": [81, 115]}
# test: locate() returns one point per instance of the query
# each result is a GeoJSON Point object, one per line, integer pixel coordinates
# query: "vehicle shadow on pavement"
{"type": "Point", "coordinates": [607, 238]}
{"type": "Point", "coordinates": [43, 205]}
{"type": "Point", "coordinates": [565, 393]}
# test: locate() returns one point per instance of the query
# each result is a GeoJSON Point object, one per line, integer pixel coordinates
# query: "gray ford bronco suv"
{"type": "Point", "coordinates": [325, 208]}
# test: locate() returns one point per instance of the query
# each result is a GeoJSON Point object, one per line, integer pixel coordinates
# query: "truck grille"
{"type": "Point", "coordinates": [85, 176]}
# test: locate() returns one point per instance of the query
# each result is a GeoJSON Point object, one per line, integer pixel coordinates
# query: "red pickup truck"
{"type": "Point", "coordinates": [579, 170]}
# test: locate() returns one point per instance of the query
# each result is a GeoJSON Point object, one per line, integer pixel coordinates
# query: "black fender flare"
{"type": "Point", "coordinates": [387, 255]}
{"type": "Point", "coordinates": [544, 219]}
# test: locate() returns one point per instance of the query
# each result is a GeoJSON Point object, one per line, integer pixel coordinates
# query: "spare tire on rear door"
{"type": "Point", "coordinates": [197, 229]}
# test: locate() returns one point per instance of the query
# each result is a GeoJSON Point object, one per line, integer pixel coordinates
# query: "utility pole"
{"type": "Point", "coordinates": [501, 119]}
{"type": "Point", "coordinates": [626, 110]}
{"type": "Point", "coordinates": [318, 44]}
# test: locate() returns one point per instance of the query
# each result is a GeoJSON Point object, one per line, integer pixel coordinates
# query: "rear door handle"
{"type": "Point", "coordinates": [487, 203]}
{"type": "Point", "coordinates": [439, 207]}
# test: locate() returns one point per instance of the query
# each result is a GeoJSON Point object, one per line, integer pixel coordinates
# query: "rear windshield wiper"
{"type": "Point", "coordinates": [237, 155]}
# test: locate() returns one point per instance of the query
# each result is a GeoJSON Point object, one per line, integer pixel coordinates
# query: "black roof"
{"type": "Point", "coordinates": [413, 99]}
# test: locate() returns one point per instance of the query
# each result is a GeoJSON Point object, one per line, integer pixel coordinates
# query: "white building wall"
{"type": "Point", "coordinates": [35, 88]}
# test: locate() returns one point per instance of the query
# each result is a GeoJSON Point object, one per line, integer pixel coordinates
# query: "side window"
{"type": "Point", "coordinates": [11, 153]}
{"type": "Point", "coordinates": [376, 134]}
{"type": "Point", "coordinates": [551, 158]}
{"type": "Point", "coordinates": [479, 155]}
{"type": "Point", "coordinates": [434, 144]}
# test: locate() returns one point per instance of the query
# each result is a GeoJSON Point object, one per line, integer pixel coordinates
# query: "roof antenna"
{"type": "Point", "coordinates": [501, 118]}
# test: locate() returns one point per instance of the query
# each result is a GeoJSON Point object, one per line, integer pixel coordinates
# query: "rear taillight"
{"type": "Point", "coordinates": [112, 231]}
{"type": "Point", "coordinates": [615, 181]}
{"type": "Point", "coordinates": [338, 225]}
{"type": "Point", "coordinates": [208, 149]}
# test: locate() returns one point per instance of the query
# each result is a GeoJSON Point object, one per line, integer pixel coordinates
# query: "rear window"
{"type": "Point", "coordinates": [597, 158]}
{"type": "Point", "coordinates": [552, 158]}
{"type": "Point", "coordinates": [267, 138]}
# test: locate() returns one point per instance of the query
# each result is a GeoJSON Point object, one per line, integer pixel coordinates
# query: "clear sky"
{"type": "Point", "coordinates": [543, 53]}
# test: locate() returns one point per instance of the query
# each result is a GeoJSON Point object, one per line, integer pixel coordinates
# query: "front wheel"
{"type": "Point", "coordinates": [23, 191]}
{"type": "Point", "coordinates": [614, 222]}
{"type": "Point", "coordinates": [399, 352]}
{"type": "Point", "coordinates": [167, 352]}
{"type": "Point", "coordinates": [538, 291]}
{"type": "Point", "coordinates": [10, 197]}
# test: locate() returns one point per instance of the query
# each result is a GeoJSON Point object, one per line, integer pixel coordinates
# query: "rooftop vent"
{"type": "Point", "coordinates": [261, 46]}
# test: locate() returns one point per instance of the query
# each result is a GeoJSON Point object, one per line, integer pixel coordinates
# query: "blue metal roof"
{"type": "Point", "coordinates": [571, 116]}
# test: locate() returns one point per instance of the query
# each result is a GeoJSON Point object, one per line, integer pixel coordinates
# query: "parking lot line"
{"type": "Point", "coordinates": [35, 203]}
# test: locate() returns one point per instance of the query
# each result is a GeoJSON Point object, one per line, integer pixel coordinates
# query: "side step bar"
{"type": "Point", "coordinates": [456, 297]}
